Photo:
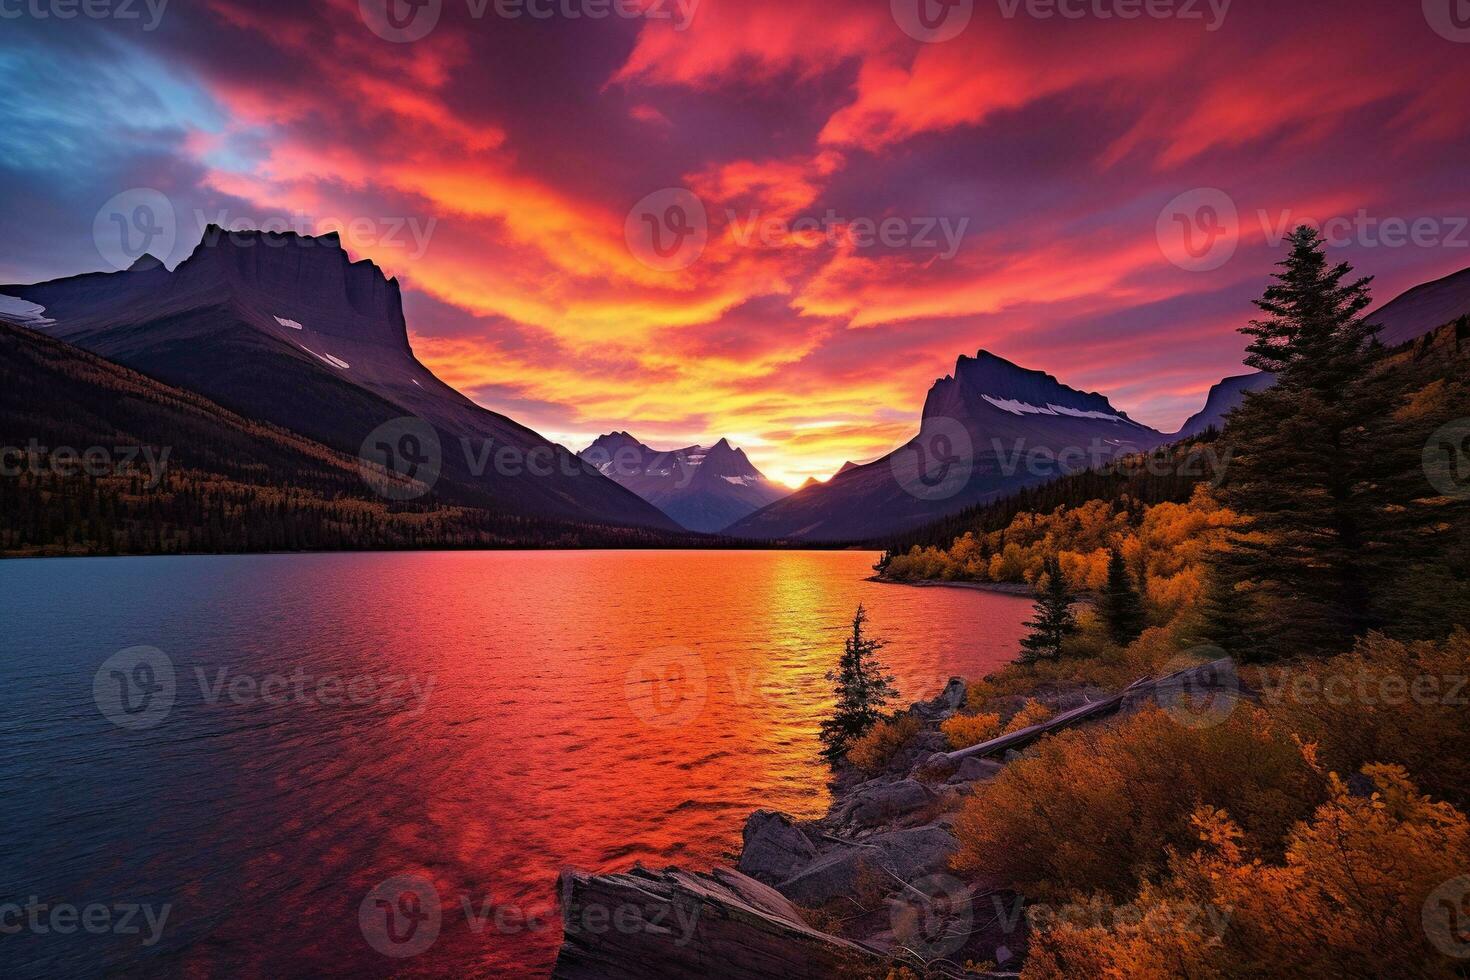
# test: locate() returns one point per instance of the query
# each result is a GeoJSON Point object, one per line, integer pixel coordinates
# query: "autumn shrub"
{"type": "Point", "coordinates": [1095, 809]}
{"type": "Point", "coordinates": [1387, 701]}
{"type": "Point", "coordinates": [964, 731]}
{"type": "Point", "coordinates": [874, 750]}
{"type": "Point", "coordinates": [1033, 712]}
{"type": "Point", "coordinates": [1371, 881]}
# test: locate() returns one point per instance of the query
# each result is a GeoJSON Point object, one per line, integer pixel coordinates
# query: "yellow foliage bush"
{"type": "Point", "coordinates": [1033, 712]}
{"type": "Point", "coordinates": [874, 750]}
{"type": "Point", "coordinates": [1387, 701]}
{"type": "Point", "coordinates": [1096, 809]}
{"type": "Point", "coordinates": [1372, 882]}
{"type": "Point", "coordinates": [964, 731]}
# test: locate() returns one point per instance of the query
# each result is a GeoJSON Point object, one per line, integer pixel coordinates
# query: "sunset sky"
{"type": "Point", "coordinates": [493, 163]}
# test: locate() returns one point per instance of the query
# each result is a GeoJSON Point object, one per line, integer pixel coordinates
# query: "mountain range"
{"type": "Point", "coordinates": [988, 429]}
{"type": "Point", "coordinates": [286, 331]}
{"type": "Point", "coordinates": [703, 488]}
{"type": "Point", "coordinates": [1410, 316]}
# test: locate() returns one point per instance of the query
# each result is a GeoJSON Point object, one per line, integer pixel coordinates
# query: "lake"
{"type": "Point", "coordinates": [208, 766]}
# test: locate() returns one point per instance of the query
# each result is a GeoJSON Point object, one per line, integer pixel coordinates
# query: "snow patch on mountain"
{"type": "Point", "coordinates": [24, 312]}
{"type": "Point", "coordinates": [289, 323]}
{"type": "Point", "coordinates": [333, 360]}
{"type": "Point", "coordinates": [1025, 408]}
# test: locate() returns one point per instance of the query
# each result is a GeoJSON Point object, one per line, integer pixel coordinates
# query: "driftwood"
{"type": "Point", "coordinates": [1217, 678]}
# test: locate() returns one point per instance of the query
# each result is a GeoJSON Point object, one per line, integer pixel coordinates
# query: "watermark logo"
{"type": "Point", "coordinates": [401, 21]}
{"type": "Point", "coordinates": [1449, 18]}
{"type": "Point", "coordinates": [667, 230]}
{"type": "Point", "coordinates": [1205, 690]}
{"type": "Point", "coordinates": [96, 462]}
{"type": "Point", "coordinates": [135, 688]}
{"type": "Point", "coordinates": [91, 9]}
{"type": "Point", "coordinates": [132, 224]}
{"type": "Point", "coordinates": [940, 235]}
{"type": "Point", "coordinates": [1211, 13]}
{"type": "Point", "coordinates": [1199, 230]}
{"type": "Point", "coordinates": [401, 459]}
{"type": "Point", "coordinates": [401, 917]}
{"type": "Point", "coordinates": [40, 918]}
{"type": "Point", "coordinates": [1447, 460]}
{"type": "Point", "coordinates": [938, 462]}
{"type": "Point", "coordinates": [932, 21]}
{"type": "Point", "coordinates": [667, 688]}
{"type": "Point", "coordinates": [408, 234]}
{"type": "Point", "coordinates": [1446, 917]}
{"type": "Point", "coordinates": [932, 917]}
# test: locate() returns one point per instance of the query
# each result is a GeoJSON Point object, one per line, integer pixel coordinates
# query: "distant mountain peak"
{"type": "Point", "coordinates": [703, 487]}
{"type": "Point", "coordinates": [145, 263]}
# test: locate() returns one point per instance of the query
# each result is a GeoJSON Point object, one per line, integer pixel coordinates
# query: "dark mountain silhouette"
{"type": "Point", "coordinates": [1423, 309]}
{"type": "Point", "coordinates": [986, 431]}
{"type": "Point", "coordinates": [1223, 398]}
{"type": "Point", "coordinates": [178, 473]}
{"type": "Point", "coordinates": [702, 488]}
{"type": "Point", "coordinates": [1411, 316]}
{"type": "Point", "coordinates": [285, 328]}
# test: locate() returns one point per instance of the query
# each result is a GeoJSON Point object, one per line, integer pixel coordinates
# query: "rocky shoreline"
{"type": "Point", "coordinates": [862, 889]}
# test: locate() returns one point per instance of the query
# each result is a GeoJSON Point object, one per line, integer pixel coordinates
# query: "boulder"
{"type": "Point", "coordinates": [879, 863]}
{"type": "Point", "coordinates": [975, 769]}
{"type": "Point", "coordinates": [775, 848]}
{"type": "Point", "coordinates": [651, 925]}
{"type": "Point", "coordinates": [946, 703]}
{"type": "Point", "coordinates": [876, 803]}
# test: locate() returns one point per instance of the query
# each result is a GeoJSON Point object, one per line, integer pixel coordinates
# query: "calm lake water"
{"type": "Point", "coordinates": [306, 727]}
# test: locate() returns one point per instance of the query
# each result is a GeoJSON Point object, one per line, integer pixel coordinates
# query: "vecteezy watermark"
{"type": "Point", "coordinates": [1450, 19]}
{"type": "Point", "coordinates": [932, 917]}
{"type": "Point", "coordinates": [1207, 923]}
{"type": "Point", "coordinates": [403, 459]}
{"type": "Point", "coordinates": [36, 459]}
{"type": "Point", "coordinates": [406, 233]}
{"type": "Point", "coordinates": [667, 688]}
{"type": "Point", "coordinates": [1199, 688]}
{"type": "Point", "coordinates": [134, 223]}
{"type": "Point", "coordinates": [137, 688]}
{"type": "Point", "coordinates": [1374, 690]}
{"type": "Point", "coordinates": [150, 12]}
{"type": "Point", "coordinates": [937, 463]}
{"type": "Point", "coordinates": [1211, 13]}
{"type": "Point", "coordinates": [401, 917]}
{"type": "Point", "coordinates": [676, 919]}
{"type": "Point", "coordinates": [1446, 917]}
{"type": "Point", "coordinates": [810, 231]}
{"type": "Point", "coordinates": [1200, 230]}
{"type": "Point", "coordinates": [936, 21]}
{"type": "Point", "coordinates": [95, 918]}
{"type": "Point", "coordinates": [667, 230]}
{"type": "Point", "coordinates": [406, 21]}
{"type": "Point", "coordinates": [932, 21]}
{"type": "Point", "coordinates": [329, 690]}
{"type": "Point", "coordinates": [1447, 459]}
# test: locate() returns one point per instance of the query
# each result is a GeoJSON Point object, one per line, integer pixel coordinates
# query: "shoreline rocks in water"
{"type": "Point", "coordinates": [863, 888]}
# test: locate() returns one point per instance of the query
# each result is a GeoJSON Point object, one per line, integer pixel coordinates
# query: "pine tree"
{"type": "Point", "coordinates": [862, 688]}
{"type": "Point", "coordinates": [1121, 606]}
{"type": "Point", "coordinates": [1053, 622]}
{"type": "Point", "coordinates": [1303, 451]}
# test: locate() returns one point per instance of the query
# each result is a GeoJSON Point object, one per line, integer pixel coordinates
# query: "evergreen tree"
{"type": "Point", "coordinates": [1053, 622]}
{"type": "Point", "coordinates": [1121, 606]}
{"type": "Point", "coordinates": [862, 689]}
{"type": "Point", "coordinates": [1303, 458]}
